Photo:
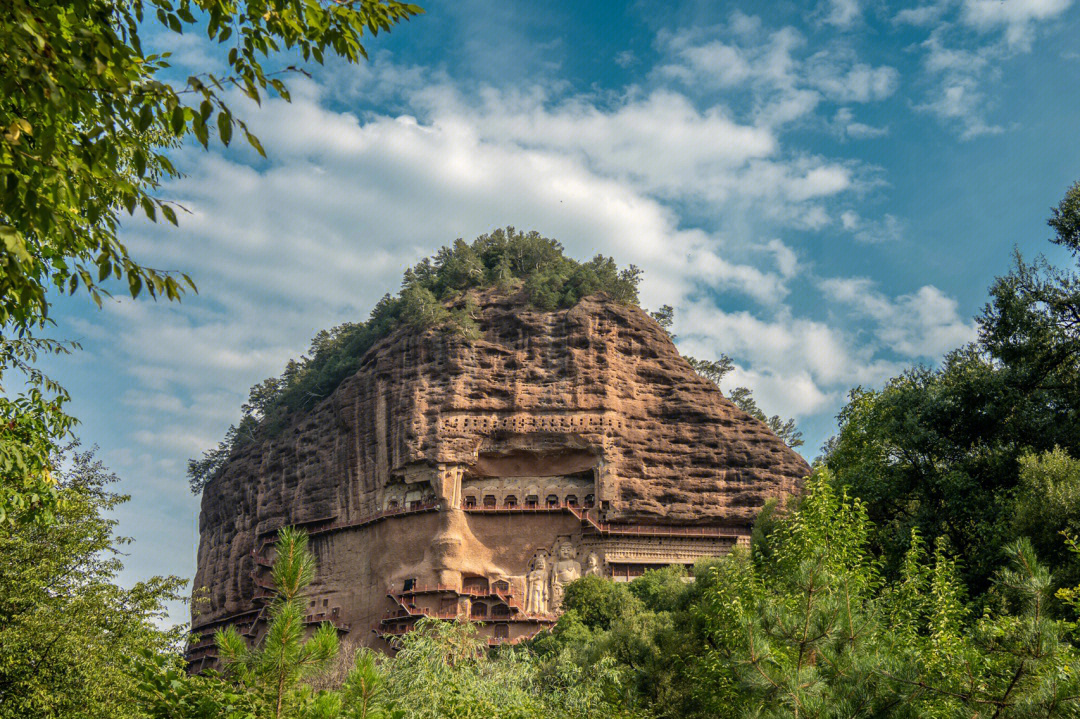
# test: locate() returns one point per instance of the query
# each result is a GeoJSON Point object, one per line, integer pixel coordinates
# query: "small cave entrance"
{"type": "Point", "coordinates": [475, 585]}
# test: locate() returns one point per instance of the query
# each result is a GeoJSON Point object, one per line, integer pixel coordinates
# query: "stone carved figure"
{"type": "Point", "coordinates": [565, 570]}
{"type": "Point", "coordinates": [592, 564]}
{"type": "Point", "coordinates": [536, 587]}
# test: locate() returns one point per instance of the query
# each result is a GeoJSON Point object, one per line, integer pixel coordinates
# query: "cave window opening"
{"type": "Point", "coordinates": [553, 500]}
{"type": "Point", "coordinates": [478, 610]}
{"type": "Point", "coordinates": [510, 502]}
{"type": "Point", "coordinates": [571, 500]}
{"type": "Point", "coordinates": [409, 584]}
{"type": "Point", "coordinates": [532, 501]}
{"type": "Point", "coordinates": [502, 631]}
{"type": "Point", "coordinates": [500, 610]}
{"type": "Point", "coordinates": [590, 501]}
{"type": "Point", "coordinates": [502, 586]}
{"type": "Point", "coordinates": [479, 585]}
{"type": "Point", "coordinates": [470, 502]}
{"type": "Point", "coordinates": [489, 501]}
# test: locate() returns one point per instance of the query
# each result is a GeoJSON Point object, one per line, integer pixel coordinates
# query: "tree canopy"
{"type": "Point", "coordinates": [68, 629]}
{"type": "Point", "coordinates": [88, 116]}
{"type": "Point", "coordinates": [950, 450]}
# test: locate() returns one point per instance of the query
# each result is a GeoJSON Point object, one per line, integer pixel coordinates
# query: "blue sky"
{"type": "Point", "coordinates": [823, 191]}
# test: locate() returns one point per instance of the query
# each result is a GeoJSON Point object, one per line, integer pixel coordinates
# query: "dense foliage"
{"type": "Point", "coordinates": [88, 115]}
{"type": "Point", "coordinates": [801, 624]}
{"type": "Point", "coordinates": [805, 625]}
{"type": "Point", "coordinates": [68, 630]}
{"type": "Point", "coordinates": [431, 295]}
{"type": "Point", "coordinates": [950, 450]}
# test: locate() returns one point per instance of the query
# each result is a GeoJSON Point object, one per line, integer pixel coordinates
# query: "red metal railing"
{"type": "Point", "coordinates": [520, 508]}
{"type": "Point", "coordinates": [504, 596]}
{"type": "Point", "coordinates": [329, 618]}
{"type": "Point", "coordinates": [585, 515]}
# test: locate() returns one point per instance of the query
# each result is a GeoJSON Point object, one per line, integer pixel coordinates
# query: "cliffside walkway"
{"type": "Point", "coordinates": [248, 620]}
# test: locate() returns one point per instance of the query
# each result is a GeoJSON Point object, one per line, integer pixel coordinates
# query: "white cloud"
{"type": "Point", "coordinates": [845, 80]}
{"type": "Point", "coordinates": [804, 365]}
{"type": "Point", "coordinates": [843, 13]}
{"type": "Point", "coordinates": [797, 393]}
{"type": "Point", "coordinates": [967, 46]}
{"type": "Point", "coordinates": [921, 15]}
{"type": "Point", "coordinates": [846, 126]}
{"type": "Point", "coordinates": [887, 229]}
{"type": "Point", "coordinates": [787, 260]}
{"type": "Point", "coordinates": [961, 99]}
{"type": "Point", "coordinates": [957, 75]}
{"type": "Point", "coordinates": [923, 324]}
{"type": "Point", "coordinates": [1016, 18]}
{"type": "Point", "coordinates": [714, 62]}
{"type": "Point", "coordinates": [785, 85]}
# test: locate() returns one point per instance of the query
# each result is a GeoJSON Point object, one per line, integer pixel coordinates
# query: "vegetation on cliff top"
{"type": "Point", "coordinates": [504, 258]}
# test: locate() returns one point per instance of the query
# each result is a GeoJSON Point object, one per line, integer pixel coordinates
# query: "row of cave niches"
{"type": "Point", "coordinates": [530, 501]}
{"type": "Point", "coordinates": [492, 502]}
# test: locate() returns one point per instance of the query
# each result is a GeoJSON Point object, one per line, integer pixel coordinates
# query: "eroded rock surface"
{"type": "Point", "coordinates": [438, 460]}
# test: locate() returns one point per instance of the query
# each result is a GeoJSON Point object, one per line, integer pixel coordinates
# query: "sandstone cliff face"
{"type": "Point", "coordinates": [596, 391]}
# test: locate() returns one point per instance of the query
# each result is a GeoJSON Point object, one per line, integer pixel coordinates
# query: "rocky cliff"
{"type": "Point", "coordinates": [597, 392]}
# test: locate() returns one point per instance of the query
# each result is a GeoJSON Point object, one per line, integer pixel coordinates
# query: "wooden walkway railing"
{"type": "Point", "coordinates": [586, 515]}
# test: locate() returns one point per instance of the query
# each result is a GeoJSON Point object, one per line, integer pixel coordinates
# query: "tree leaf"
{"type": "Point", "coordinates": [224, 123]}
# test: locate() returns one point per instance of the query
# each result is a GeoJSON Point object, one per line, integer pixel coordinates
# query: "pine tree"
{"type": "Point", "coordinates": [284, 657]}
